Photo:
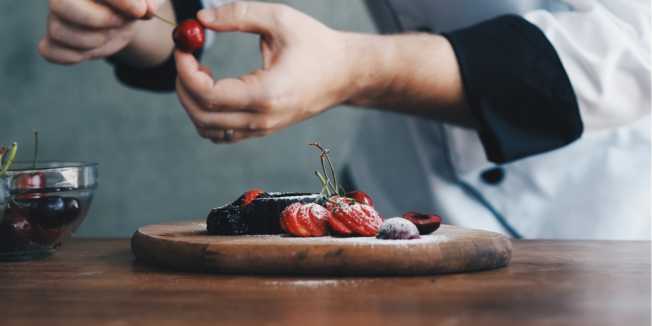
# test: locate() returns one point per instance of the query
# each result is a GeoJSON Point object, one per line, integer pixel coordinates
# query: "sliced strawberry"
{"type": "Point", "coordinates": [318, 216]}
{"type": "Point", "coordinates": [305, 220]}
{"type": "Point", "coordinates": [339, 227]}
{"type": "Point", "coordinates": [302, 223]}
{"type": "Point", "coordinates": [352, 218]}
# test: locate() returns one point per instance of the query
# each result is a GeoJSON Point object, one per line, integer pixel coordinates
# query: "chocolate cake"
{"type": "Point", "coordinates": [261, 216]}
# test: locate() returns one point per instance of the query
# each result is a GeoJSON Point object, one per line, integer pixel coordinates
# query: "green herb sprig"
{"type": "Point", "coordinates": [7, 157]}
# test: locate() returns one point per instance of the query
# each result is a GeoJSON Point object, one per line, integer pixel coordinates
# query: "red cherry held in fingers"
{"type": "Point", "coordinates": [349, 217]}
{"type": "Point", "coordinates": [426, 223]}
{"type": "Point", "coordinates": [189, 36]}
{"type": "Point", "coordinates": [361, 197]}
{"type": "Point", "coordinates": [305, 220]}
{"type": "Point", "coordinates": [250, 196]}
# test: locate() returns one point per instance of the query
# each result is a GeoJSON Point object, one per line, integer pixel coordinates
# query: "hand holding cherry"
{"type": "Point", "coordinates": [306, 70]}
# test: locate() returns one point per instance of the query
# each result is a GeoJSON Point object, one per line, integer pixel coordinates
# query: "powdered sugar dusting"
{"type": "Point", "coordinates": [314, 284]}
{"type": "Point", "coordinates": [319, 212]}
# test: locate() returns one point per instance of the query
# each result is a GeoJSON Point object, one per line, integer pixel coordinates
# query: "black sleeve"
{"type": "Point", "coordinates": [160, 78]}
{"type": "Point", "coordinates": [517, 88]}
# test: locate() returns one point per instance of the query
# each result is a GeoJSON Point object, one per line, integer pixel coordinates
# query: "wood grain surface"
{"type": "Point", "coordinates": [98, 282]}
{"type": "Point", "coordinates": [186, 246]}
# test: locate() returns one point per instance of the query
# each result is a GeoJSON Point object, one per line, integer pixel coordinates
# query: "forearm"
{"type": "Point", "coordinates": [411, 73]}
{"type": "Point", "coordinates": [152, 43]}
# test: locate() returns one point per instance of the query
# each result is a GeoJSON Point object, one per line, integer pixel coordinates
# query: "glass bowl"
{"type": "Point", "coordinates": [46, 204]}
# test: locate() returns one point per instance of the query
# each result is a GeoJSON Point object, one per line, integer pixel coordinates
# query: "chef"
{"type": "Point", "coordinates": [526, 117]}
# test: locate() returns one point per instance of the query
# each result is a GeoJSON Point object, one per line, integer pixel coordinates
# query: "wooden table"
{"type": "Point", "coordinates": [97, 282]}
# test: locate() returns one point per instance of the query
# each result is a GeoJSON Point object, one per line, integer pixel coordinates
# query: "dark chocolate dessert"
{"type": "Point", "coordinates": [260, 216]}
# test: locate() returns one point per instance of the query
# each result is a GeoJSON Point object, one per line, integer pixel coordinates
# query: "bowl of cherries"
{"type": "Point", "coordinates": [42, 205]}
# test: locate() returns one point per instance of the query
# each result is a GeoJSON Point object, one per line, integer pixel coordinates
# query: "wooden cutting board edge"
{"type": "Point", "coordinates": [177, 247]}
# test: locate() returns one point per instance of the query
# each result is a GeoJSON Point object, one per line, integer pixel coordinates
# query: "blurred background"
{"type": "Point", "coordinates": [153, 165]}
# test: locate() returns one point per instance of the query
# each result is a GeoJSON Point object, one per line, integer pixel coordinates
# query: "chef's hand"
{"type": "Point", "coordinates": [80, 30]}
{"type": "Point", "coordinates": [305, 71]}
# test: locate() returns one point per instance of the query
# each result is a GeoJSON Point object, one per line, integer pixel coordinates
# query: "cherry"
{"type": "Point", "coordinates": [361, 197]}
{"type": "Point", "coordinates": [15, 233]}
{"type": "Point", "coordinates": [34, 180]}
{"type": "Point", "coordinates": [29, 182]}
{"type": "Point", "coordinates": [189, 36]}
{"type": "Point", "coordinates": [425, 223]}
{"type": "Point", "coordinates": [54, 211]}
{"type": "Point", "coordinates": [71, 210]}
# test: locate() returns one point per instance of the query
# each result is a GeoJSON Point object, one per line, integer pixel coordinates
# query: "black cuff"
{"type": "Point", "coordinates": [160, 78]}
{"type": "Point", "coordinates": [517, 88]}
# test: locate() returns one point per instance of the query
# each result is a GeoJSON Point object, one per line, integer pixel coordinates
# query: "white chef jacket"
{"type": "Point", "coordinates": [595, 188]}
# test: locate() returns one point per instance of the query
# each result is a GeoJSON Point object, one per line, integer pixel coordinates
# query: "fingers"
{"type": "Point", "coordinates": [242, 16]}
{"type": "Point", "coordinates": [212, 120]}
{"type": "Point", "coordinates": [86, 13]}
{"type": "Point", "coordinates": [229, 136]}
{"type": "Point", "coordinates": [67, 43]}
{"type": "Point", "coordinates": [224, 95]}
{"type": "Point", "coordinates": [214, 125]}
{"type": "Point", "coordinates": [152, 7]}
{"type": "Point", "coordinates": [75, 37]}
{"type": "Point", "coordinates": [57, 53]}
{"type": "Point", "coordinates": [130, 8]}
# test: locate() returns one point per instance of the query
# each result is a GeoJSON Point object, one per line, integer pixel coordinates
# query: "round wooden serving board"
{"type": "Point", "coordinates": [186, 246]}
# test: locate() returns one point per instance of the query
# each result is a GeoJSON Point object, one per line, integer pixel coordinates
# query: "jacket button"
{"type": "Point", "coordinates": [493, 176]}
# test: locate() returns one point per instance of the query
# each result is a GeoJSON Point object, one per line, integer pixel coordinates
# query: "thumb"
{"type": "Point", "coordinates": [241, 16]}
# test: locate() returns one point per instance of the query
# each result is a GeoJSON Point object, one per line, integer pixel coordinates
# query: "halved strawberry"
{"type": "Point", "coordinates": [305, 220]}
{"type": "Point", "coordinates": [349, 217]}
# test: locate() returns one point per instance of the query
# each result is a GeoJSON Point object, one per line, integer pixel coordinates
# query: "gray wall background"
{"type": "Point", "coordinates": [153, 165]}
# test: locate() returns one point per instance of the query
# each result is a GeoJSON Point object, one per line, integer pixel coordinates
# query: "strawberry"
{"type": "Point", "coordinates": [349, 217]}
{"type": "Point", "coordinates": [361, 197]}
{"type": "Point", "coordinates": [189, 36]}
{"type": "Point", "coordinates": [250, 196]}
{"type": "Point", "coordinates": [305, 220]}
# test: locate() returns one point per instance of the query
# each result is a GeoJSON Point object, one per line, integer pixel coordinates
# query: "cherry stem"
{"type": "Point", "coordinates": [324, 185]}
{"type": "Point", "coordinates": [328, 180]}
{"type": "Point", "coordinates": [35, 149]}
{"type": "Point", "coordinates": [324, 156]}
{"type": "Point", "coordinates": [165, 20]}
